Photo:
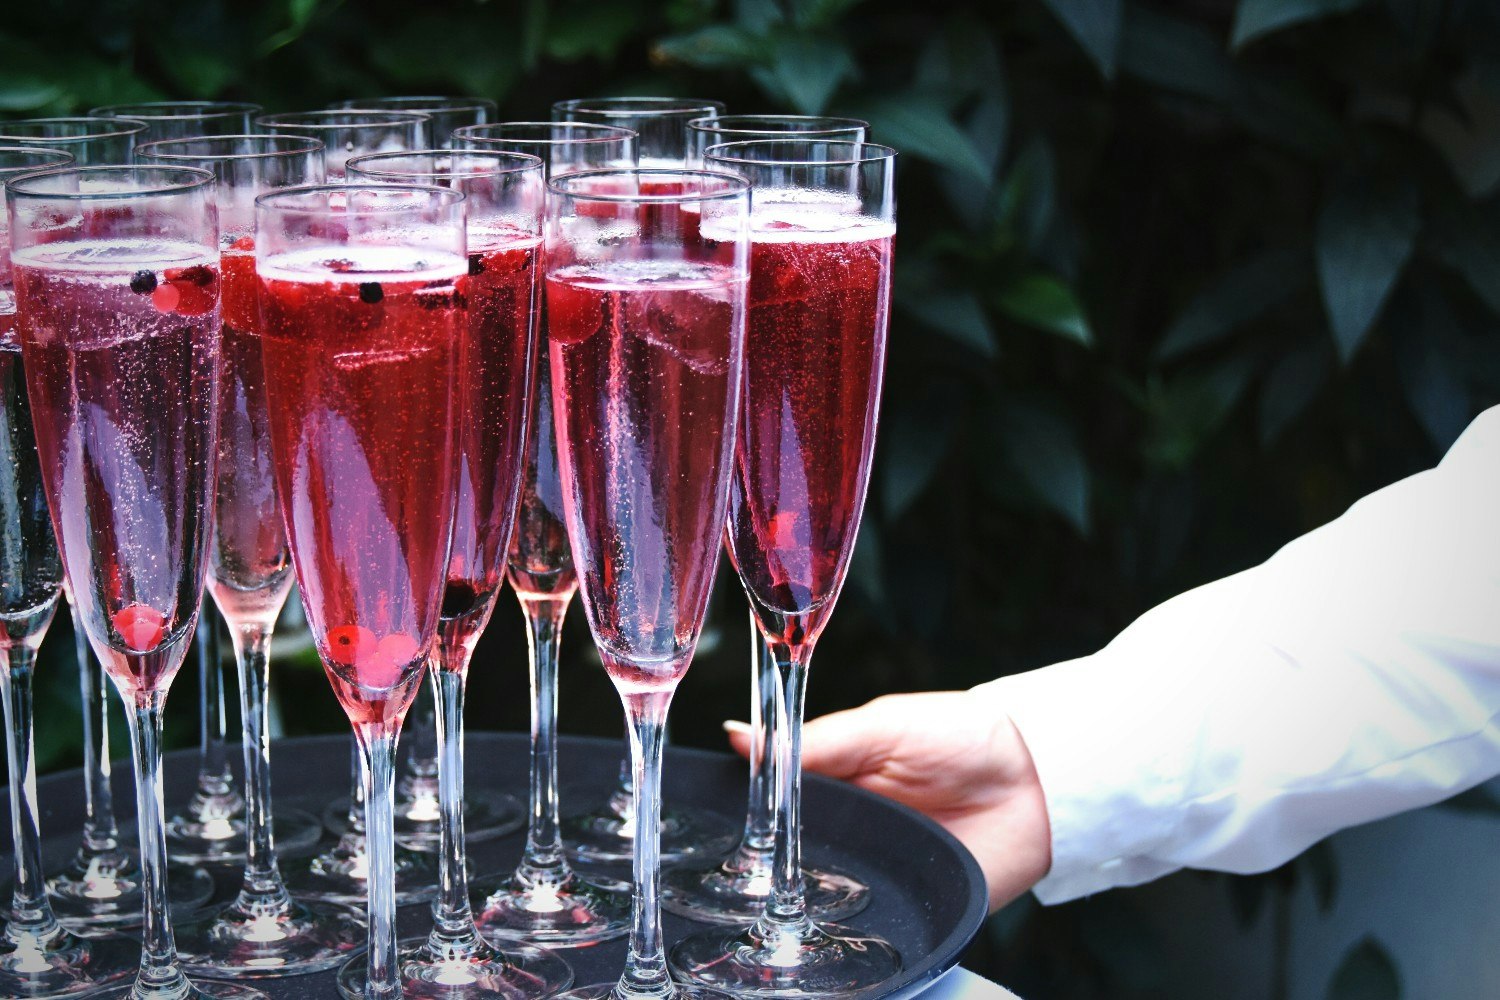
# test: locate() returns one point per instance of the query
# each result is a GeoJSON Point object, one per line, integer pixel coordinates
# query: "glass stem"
{"type": "Point", "coordinates": [377, 745]}
{"type": "Point", "coordinates": [215, 796]}
{"type": "Point", "coordinates": [543, 861]}
{"type": "Point", "coordinates": [786, 909]}
{"type": "Point", "coordinates": [760, 816]}
{"type": "Point", "coordinates": [31, 920]}
{"type": "Point", "coordinates": [101, 833]}
{"type": "Point", "coordinates": [420, 779]}
{"type": "Point", "coordinates": [453, 920]}
{"type": "Point", "coordinates": [261, 891]}
{"type": "Point", "coordinates": [160, 977]}
{"type": "Point", "coordinates": [646, 967]}
{"type": "Point", "coordinates": [356, 817]}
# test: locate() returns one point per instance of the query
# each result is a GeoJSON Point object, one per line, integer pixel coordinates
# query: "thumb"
{"type": "Point", "coordinates": [842, 745]}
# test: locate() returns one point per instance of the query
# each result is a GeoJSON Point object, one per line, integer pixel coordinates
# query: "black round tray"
{"type": "Point", "coordinates": [928, 893]}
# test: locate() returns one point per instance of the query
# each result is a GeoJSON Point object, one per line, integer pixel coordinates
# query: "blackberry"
{"type": "Point", "coordinates": [371, 292]}
{"type": "Point", "coordinates": [143, 282]}
{"type": "Point", "coordinates": [476, 264]}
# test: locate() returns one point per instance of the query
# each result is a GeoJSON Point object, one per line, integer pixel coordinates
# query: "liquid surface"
{"type": "Point", "coordinates": [362, 354]}
{"type": "Point", "coordinates": [120, 340]}
{"type": "Point", "coordinates": [645, 363]}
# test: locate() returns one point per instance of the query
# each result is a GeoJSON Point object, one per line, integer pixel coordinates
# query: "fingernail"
{"type": "Point", "coordinates": [736, 728]}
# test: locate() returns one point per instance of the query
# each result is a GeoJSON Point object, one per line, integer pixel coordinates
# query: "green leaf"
{"type": "Point", "coordinates": [301, 12]}
{"type": "Point", "coordinates": [1365, 232]}
{"type": "Point", "coordinates": [1043, 450]}
{"type": "Point", "coordinates": [914, 442]}
{"type": "Point", "coordinates": [806, 70]}
{"type": "Point", "coordinates": [26, 92]}
{"type": "Point", "coordinates": [1469, 243]}
{"type": "Point", "coordinates": [1254, 18]}
{"type": "Point", "coordinates": [1366, 973]}
{"type": "Point", "coordinates": [1095, 24]}
{"type": "Point", "coordinates": [718, 46]}
{"type": "Point", "coordinates": [1027, 200]}
{"type": "Point", "coordinates": [921, 126]}
{"type": "Point", "coordinates": [962, 58]}
{"type": "Point", "coordinates": [1243, 294]}
{"type": "Point", "coordinates": [1184, 413]}
{"type": "Point", "coordinates": [958, 315]}
{"type": "Point", "coordinates": [1291, 386]}
{"type": "Point", "coordinates": [1043, 301]}
{"type": "Point", "coordinates": [1176, 55]}
{"type": "Point", "coordinates": [1436, 394]}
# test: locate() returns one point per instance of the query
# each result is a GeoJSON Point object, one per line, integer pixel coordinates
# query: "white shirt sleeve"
{"type": "Point", "coordinates": [1353, 675]}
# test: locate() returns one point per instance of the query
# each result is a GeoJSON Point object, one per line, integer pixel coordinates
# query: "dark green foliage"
{"type": "Point", "coordinates": [1177, 282]}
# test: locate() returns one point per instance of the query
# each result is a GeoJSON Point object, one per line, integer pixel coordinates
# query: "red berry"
{"type": "Point", "coordinates": [194, 300]}
{"type": "Point", "coordinates": [350, 644]}
{"type": "Point", "coordinates": [165, 297]}
{"type": "Point", "coordinates": [139, 625]}
{"type": "Point", "coordinates": [243, 243]}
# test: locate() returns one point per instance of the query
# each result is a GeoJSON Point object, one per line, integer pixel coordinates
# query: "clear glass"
{"type": "Point", "coordinates": [132, 531]}
{"type": "Point", "coordinates": [606, 835]}
{"type": "Point", "coordinates": [661, 122]}
{"type": "Point", "coordinates": [446, 113]}
{"type": "Point", "coordinates": [735, 890]}
{"type": "Point", "coordinates": [719, 129]}
{"type": "Point", "coordinates": [264, 930]}
{"type": "Point", "coordinates": [38, 956]}
{"type": "Point", "coordinates": [353, 133]}
{"type": "Point", "coordinates": [503, 198]}
{"type": "Point", "coordinates": [90, 141]}
{"type": "Point", "coordinates": [646, 285]}
{"type": "Point", "coordinates": [364, 326]}
{"type": "Point", "coordinates": [184, 119]}
{"type": "Point", "coordinates": [544, 899]}
{"type": "Point", "coordinates": [822, 234]}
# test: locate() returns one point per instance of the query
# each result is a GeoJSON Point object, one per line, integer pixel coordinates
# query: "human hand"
{"type": "Point", "coordinates": [952, 755]}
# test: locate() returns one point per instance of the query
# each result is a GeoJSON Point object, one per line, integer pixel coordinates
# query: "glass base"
{"type": "Point", "coordinates": [198, 989]}
{"type": "Point", "coordinates": [519, 972]}
{"type": "Point", "coordinates": [680, 991]}
{"type": "Point", "coordinates": [104, 896]}
{"type": "Point", "coordinates": [487, 815]}
{"type": "Point", "coordinates": [574, 913]}
{"type": "Point", "coordinates": [222, 841]}
{"type": "Point", "coordinates": [339, 875]}
{"type": "Point", "coordinates": [66, 965]}
{"type": "Point", "coordinates": [825, 960]}
{"type": "Point", "coordinates": [229, 943]}
{"type": "Point", "coordinates": [735, 891]}
{"type": "Point", "coordinates": [608, 837]}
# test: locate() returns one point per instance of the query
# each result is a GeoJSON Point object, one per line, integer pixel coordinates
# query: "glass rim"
{"type": "Point", "coordinates": [668, 105]}
{"type": "Point", "coordinates": [192, 178]}
{"type": "Point", "coordinates": [67, 160]}
{"type": "Point", "coordinates": [154, 148]}
{"type": "Point", "coordinates": [876, 150]}
{"type": "Point", "coordinates": [606, 133]}
{"type": "Point", "coordinates": [268, 200]}
{"type": "Point", "coordinates": [525, 162]}
{"type": "Point", "coordinates": [318, 120]}
{"type": "Point", "coordinates": [716, 124]}
{"type": "Point", "coordinates": [737, 186]}
{"type": "Point", "coordinates": [220, 109]}
{"type": "Point", "coordinates": [109, 128]}
{"type": "Point", "coordinates": [437, 102]}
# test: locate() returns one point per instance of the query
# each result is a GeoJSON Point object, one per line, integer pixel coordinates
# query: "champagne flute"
{"type": "Point", "coordinates": [184, 119]}
{"type": "Point", "coordinates": [734, 891]}
{"type": "Point", "coordinates": [98, 892]}
{"type": "Point", "coordinates": [364, 320]}
{"type": "Point", "coordinates": [117, 288]}
{"type": "Point", "coordinates": [543, 899]}
{"type": "Point", "coordinates": [820, 278]}
{"type": "Point", "coordinates": [264, 930]}
{"type": "Point", "coordinates": [503, 202]}
{"type": "Point", "coordinates": [607, 834]}
{"type": "Point", "coordinates": [38, 956]}
{"type": "Point", "coordinates": [487, 813]}
{"type": "Point", "coordinates": [353, 133]}
{"type": "Point", "coordinates": [445, 114]}
{"type": "Point", "coordinates": [90, 141]}
{"type": "Point", "coordinates": [646, 326]}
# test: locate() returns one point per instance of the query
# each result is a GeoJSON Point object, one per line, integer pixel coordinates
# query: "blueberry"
{"type": "Point", "coordinates": [371, 292]}
{"type": "Point", "coordinates": [476, 264]}
{"type": "Point", "coordinates": [143, 282]}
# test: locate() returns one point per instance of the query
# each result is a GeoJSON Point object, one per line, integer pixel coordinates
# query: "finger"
{"type": "Point", "coordinates": [739, 736]}
{"type": "Point", "coordinates": [841, 745]}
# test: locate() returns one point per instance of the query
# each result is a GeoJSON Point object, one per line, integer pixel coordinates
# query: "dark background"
{"type": "Point", "coordinates": [1176, 282]}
